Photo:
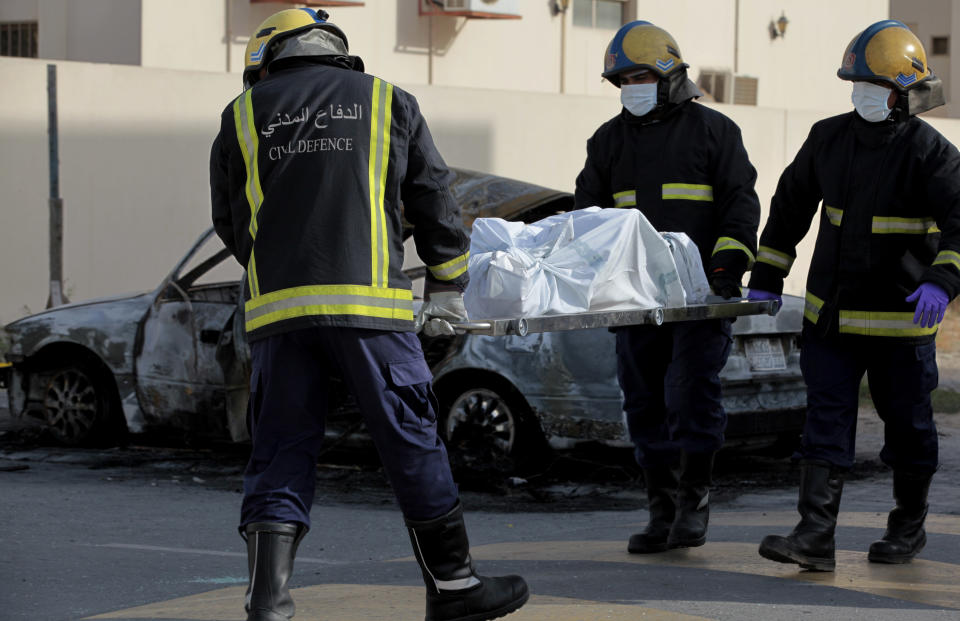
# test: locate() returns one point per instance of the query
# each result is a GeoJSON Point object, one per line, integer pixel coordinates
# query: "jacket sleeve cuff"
{"type": "Point", "coordinates": [766, 279]}
{"type": "Point", "coordinates": [732, 262]}
{"type": "Point", "coordinates": [946, 283]}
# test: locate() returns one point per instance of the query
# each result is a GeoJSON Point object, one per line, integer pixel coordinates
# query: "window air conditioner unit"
{"type": "Point", "coordinates": [717, 84]}
{"type": "Point", "coordinates": [472, 8]}
{"type": "Point", "coordinates": [725, 87]}
{"type": "Point", "coordinates": [745, 90]}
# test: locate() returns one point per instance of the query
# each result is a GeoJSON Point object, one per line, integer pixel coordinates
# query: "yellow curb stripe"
{"type": "Point", "coordinates": [926, 582]}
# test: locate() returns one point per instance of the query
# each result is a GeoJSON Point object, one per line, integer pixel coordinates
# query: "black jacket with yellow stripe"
{"type": "Point", "coordinates": [687, 171]}
{"type": "Point", "coordinates": [307, 177]}
{"type": "Point", "coordinates": [890, 220]}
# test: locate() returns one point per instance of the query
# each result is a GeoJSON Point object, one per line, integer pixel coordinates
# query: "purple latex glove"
{"type": "Point", "coordinates": [931, 302]}
{"type": "Point", "coordinates": [761, 295]}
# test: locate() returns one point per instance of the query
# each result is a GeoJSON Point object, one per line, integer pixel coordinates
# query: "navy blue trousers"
{"type": "Point", "coordinates": [901, 377]}
{"type": "Point", "coordinates": [670, 378]}
{"type": "Point", "coordinates": [289, 388]}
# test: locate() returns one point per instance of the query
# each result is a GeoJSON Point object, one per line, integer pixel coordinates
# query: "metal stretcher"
{"type": "Point", "coordinates": [608, 319]}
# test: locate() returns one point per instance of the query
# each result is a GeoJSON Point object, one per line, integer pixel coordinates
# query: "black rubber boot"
{"type": "Point", "coordinates": [905, 536]}
{"type": "Point", "coordinates": [689, 528]}
{"type": "Point", "coordinates": [454, 591]}
{"type": "Point", "coordinates": [811, 544]}
{"type": "Point", "coordinates": [661, 493]}
{"type": "Point", "coordinates": [271, 548]}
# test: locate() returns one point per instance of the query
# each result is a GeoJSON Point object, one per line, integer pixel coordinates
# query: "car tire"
{"type": "Point", "coordinates": [488, 427]}
{"type": "Point", "coordinates": [80, 406]}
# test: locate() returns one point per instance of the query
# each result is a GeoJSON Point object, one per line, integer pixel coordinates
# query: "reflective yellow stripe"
{"type": "Point", "coordinates": [778, 259]}
{"type": "Point", "coordinates": [249, 146]}
{"type": "Point", "coordinates": [687, 191]}
{"type": "Point", "coordinates": [811, 307]}
{"type": "Point", "coordinates": [385, 164]}
{"type": "Point", "coordinates": [625, 199]}
{"type": "Point", "coordinates": [834, 215]}
{"type": "Point", "coordinates": [871, 323]}
{"type": "Point", "coordinates": [380, 122]}
{"type": "Point", "coordinates": [4, 365]}
{"type": "Point", "coordinates": [729, 243]}
{"type": "Point", "coordinates": [919, 226]}
{"type": "Point", "coordinates": [252, 278]}
{"type": "Point", "coordinates": [451, 269]}
{"type": "Point", "coordinates": [948, 257]}
{"type": "Point", "coordinates": [357, 300]}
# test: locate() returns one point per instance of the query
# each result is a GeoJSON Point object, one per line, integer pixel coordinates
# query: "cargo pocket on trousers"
{"type": "Point", "coordinates": [410, 380]}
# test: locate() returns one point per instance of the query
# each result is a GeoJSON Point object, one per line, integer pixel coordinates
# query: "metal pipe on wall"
{"type": "Point", "coordinates": [55, 203]}
{"type": "Point", "coordinates": [561, 6]}
{"type": "Point", "coordinates": [227, 29]}
{"type": "Point", "coordinates": [736, 36]}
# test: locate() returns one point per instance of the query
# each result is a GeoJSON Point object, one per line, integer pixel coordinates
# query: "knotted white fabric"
{"type": "Point", "coordinates": [586, 260]}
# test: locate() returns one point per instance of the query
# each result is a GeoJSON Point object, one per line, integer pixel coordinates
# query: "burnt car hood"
{"type": "Point", "coordinates": [482, 195]}
{"type": "Point", "coordinates": [104, 325]}
{"type": "Point", "coordinates": [104, 300]}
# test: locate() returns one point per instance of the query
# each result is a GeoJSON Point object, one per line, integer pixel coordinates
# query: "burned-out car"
{"type": "Point", "coordinates": [175, 360]}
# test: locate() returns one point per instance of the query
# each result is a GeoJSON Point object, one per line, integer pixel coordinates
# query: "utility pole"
{"type": "Point", "coordinates": [57, 296]}
{"type": "Point", "coordinates": [560, 7]}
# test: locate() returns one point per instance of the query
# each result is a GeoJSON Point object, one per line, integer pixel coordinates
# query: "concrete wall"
{"type": "Point", "coordinates": [134, 155]}
{"type": "Point", "coordinates": [18, 11]}
{"type": "Point", "coordinates": [103, 31]}
{"type": "Point", "coordinates": [85, 30]}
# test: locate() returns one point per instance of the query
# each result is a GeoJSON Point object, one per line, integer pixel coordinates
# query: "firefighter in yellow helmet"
{"type": "Point", "coordinates": [683, 165]}
{"type": "Point", "coordinates": [885, 265]}
{"type": "Point", "coordinates": [307, 176]}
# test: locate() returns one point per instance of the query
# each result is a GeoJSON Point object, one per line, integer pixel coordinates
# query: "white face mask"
{"type": "Point", "coordinates": [638, 99]}
{"type": "Point", "coordinates": [870, 101]}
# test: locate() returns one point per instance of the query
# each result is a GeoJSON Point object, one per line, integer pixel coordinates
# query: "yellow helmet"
{"type": "Point", "coordinates": [277, 27]}
{"type": "Point", "coordinates": [641, 44]}
{"type": "Point", "coordinates": [888, 52]}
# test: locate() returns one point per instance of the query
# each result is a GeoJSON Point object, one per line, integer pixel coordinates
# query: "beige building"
{"type": "Point", "coordinates": [934, 22]}
{"type": "Point", "coordinates": [141, 84]}
{"type": "Point", "coordinates": [734, 47]}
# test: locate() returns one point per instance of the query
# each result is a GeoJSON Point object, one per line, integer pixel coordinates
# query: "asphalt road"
{"type": "Point", "coordinates": [149, 533]}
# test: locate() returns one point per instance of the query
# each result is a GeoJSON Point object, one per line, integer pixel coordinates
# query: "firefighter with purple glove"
{"type": "Point", "coordinates": [885, 265]}
{"type": "Point", "coordinates": [308, 174]}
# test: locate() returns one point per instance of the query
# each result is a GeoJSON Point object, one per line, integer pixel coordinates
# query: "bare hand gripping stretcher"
{"type": "Point", "coordinates": [522, 326]}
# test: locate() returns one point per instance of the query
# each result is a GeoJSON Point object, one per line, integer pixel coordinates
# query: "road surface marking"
{"type": "Point", "coordinates": [353, 602]}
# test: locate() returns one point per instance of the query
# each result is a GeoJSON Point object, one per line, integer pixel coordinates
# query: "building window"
{"type": "Point", "coordinates": [18, 39]}
{"type": "Point", "coordinates": [599, 13]}
{"type": "Point", "coordinates": [941, 46]}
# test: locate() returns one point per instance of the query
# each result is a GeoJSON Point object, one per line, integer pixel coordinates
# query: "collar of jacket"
{"type": "Point", "coordinates": [876, 135]}
{"type": "Point", "coordinates": [354, 63]}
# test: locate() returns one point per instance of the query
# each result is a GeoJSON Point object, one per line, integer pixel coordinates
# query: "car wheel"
{"type": "Point", "coordinates": [79, 407]}
{"type": "Point", "coordinates": [481, 415]}
{"type": "Point", "coordinates": [489, 428]}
